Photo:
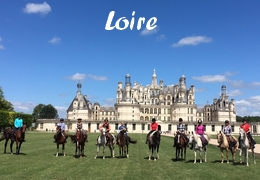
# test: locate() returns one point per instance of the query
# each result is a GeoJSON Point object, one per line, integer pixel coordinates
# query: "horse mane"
{"type": "Point", "coordinates": [225, 142]}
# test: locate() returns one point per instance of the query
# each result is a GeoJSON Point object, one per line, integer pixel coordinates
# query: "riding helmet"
{"type": "Point", "coordinates": [153, 119]}
{"type": "Point", "coordinates": [79, 119]}
{"type": "Point", "coordinates": [180, 120]}
{"type": "Point", "coordinates": [226, 121]}
{"type": "Point", "coordinates": [106, 120]}
{"type": "Point", "coordinates": [61, 119]}
{"type": "Point", "coordinates": [199, 121]}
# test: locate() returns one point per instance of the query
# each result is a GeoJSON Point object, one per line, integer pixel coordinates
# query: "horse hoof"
{"type": "Point", "coordinates": [154, 159]}
{"type": "Point", "coordinates": [222, 162]}
{"type": "Point", "coordinates": [228, 162]}
{"type": "Point", "coordinates": [95, 157]}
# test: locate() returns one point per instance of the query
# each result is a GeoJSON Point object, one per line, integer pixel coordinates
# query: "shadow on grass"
{"type": "Point", "coordinates": [178, 160]}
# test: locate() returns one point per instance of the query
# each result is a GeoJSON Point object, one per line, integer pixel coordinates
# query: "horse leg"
{"type": "Point", "coordinates": [240, 156]}
{"type": "Point", "coordinates": [222, 154]}
{"type": "Point", "coordinates": [227, 155]}
{"type": "Point", "coordinates": [63, 149]}
{"type": "Point", "coordinates": [200, 155]}
{"type": "Point", "coordinates": [97, 152]}
{"type": "Point", "coordinates": [176, 153]}
{"type": "Point", "coordinates": [6, 141]}
{"type": "Point", "coordinates": [150, 153]}
{"type": "Point", "coordinates": [104, 147]}
{"type": "Point", "coordinates": [157, 151]}
{"type": "Point", "coordinates": [195, 156]}
{"type": "Point", "coordinates": [57, 154]}
{"type": "Point", "coordinates": [127, 151]}
{"type": "Point", "coordinates": [246, 156]}
{"type": "Point", "coordinates": [253, 154]}
{"type": "Point", "coordinates": [154, 153]}
{"type": "Point", "coordinates": [185, 154]}
{"type": "Point", "coordinates": [205, 155]}
{"type": "Point", "coordinates": [19, 147]}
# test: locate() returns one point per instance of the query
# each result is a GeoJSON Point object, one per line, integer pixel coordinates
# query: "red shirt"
{"type": "Point", "coordinates": [154, 126]}
{"type": "Point", "coordinates": [246, 127]}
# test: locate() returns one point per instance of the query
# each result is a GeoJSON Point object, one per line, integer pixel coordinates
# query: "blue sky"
{"type": "Point", "coordinates": [47, 47]}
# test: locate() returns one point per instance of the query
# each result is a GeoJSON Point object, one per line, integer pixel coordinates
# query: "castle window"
{"type": "Point", "coordinates": [134, 127]}
{"type": "Point", "coordinates": [212, 128]}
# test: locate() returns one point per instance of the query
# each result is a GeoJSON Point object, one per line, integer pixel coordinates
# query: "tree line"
{"type": "Point", "coordinates": [8, 115]}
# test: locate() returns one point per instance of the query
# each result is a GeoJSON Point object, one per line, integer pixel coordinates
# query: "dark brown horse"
{"type": "Point", "coordinates": [6, 136]}
{"type": "Point", "coordinates": [123, 143]}
{"type": "Point", "coordinates": [181, 146]}
{"type": "Point", "coordinates": [79, 141]}
{"type": "Point", "coordinates": [19, 138]}
{"type": "Point", "coordinates": [61, 139]}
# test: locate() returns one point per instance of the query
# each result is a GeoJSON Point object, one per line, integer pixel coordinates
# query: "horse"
{"type": "Point", "coordinates": [196, 141]}
{"type": "Point", "coordinates": [181, 146]}
{"type": "Point", "coordinates": [61, 139]}
{"type": "Point", "coordinates": [79, 141]}
{"type": "Point", "coordinates": [6, 136]}
{"type": "Point", "coordinates": [123, 144]}
{"type": "Point", "coordinates": [245, 146]}
{"type": "Point", "coordinates": [19, 138]}
{"type": "Point", "coordinates": [224, 145]}
{"type": "Point", "coordinates": [154, 144]}
{"type": "Point", "coordinates": [102, 142]}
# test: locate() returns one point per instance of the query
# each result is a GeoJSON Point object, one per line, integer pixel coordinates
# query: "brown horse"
{"type": "Point", "coordinates": [79, 141]}
{"type": "Point", "coordinates": [6, 136]}
{"type": "Point", "coordinates": [123, 143]}
{"type": "Point", "coordinates": [224, 145]}
{"type": "Point", "coordinates": [19, 138]}
{"type": "Point", "coordinates": [181, 146]}
{"type": "Point", "coordinates": [61, 139]}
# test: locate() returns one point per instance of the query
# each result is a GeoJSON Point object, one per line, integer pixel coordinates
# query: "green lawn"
{"type": "Point", "coordinates": [38, 161]}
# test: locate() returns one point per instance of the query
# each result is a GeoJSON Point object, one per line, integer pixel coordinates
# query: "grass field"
{"type": "Point", "coordinates": [37, 161]}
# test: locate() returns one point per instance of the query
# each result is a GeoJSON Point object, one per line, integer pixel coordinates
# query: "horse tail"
{"type": "Point", "coordinates": [72, 138]}
{"type": "Point", "coordinates": [133, 142]}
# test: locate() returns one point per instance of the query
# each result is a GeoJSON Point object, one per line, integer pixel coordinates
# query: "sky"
{"type": "Point", "coordinates": [47, 47]}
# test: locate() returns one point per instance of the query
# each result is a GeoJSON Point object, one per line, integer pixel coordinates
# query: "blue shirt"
{"type": "Point", "coordinates": [18, 123]}
{"type": "Point", "coordinates": [121, 128]}
{"type": "Point", "coordinates": [62, 126]}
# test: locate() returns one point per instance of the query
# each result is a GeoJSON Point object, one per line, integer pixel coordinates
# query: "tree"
{"type": "Point", "coordinates": [42, 111]}
{"type": "Point", "coordinates": [4, 104]}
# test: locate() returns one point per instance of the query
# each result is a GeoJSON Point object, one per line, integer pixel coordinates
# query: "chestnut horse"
{"type": "Point", "coordinates": [6, 136]}
{"type": "Point", "coordinates": [19, 138]}
{"type": "Point", "coordinates": [123, 143]}
{"type": "Point", "coordinates": [61, 139]}
{"type": "Point", "coordinates": [181, 146]}
{"type": "Point", "coordinates": [224, 145]}
{"type": "Point", "coordinates": [79, 141]}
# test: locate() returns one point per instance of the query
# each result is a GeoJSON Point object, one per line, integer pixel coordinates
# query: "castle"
{"type": "Point", "coordinates": [136, 105]}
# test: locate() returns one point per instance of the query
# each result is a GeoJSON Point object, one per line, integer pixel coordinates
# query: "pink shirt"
{"type": "Point", "coordinates": [200, 129]}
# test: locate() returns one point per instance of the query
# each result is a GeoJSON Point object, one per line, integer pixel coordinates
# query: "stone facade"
{"type": "Point", "coordinates": [136, 105]}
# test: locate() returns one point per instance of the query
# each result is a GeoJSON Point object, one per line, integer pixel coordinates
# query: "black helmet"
{"type": "Point", "coordinates": [180, 120]}
{"type": "Point", "coordinates": [153, 119]}
{"type": "Point", "coordinates": [243, 120]}
{"type": "Point", "coordinates": [199, 121]}
{"type": "Point", "coordinates": [226, 121]}
{"type": "Point", "coordinates": [61, 119]}
{"type": "Point", "coordinates": [19, 115]}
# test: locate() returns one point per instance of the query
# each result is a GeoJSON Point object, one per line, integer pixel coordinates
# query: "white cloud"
{"type": "Point", "coordinates": [211, 78]}
{"type": "Point", "coordinates": [237, 83]}
{"type": "Point", "coordinates": [109, 102]}
{"type": "Point", "coordinates": [55, 40]}
{"type": "Point", "coordinates": [192, 40]}
{"type": "Point", "coordinates": [147, 32]}
{"type": "Point", "coordinates": [43, 8]}
{"type": "Point", "coordinates": [255, 84]}
{"type": "Point", "coordinates": [23, 107]}
{"type": "Point", "coordinates": [234, 93]}
{"type": "Point", "coordinates": [248, 107]}
{"type": "Point", "coordinates": [1, 46]}
{"type": "Point", "coordinates": [98, 78]}
{"type": "Point", "coordinates": [161, 37]}
{"type": "Point", "coordinates": [77, 77]}
{"type": "Point", "coordinates": [62, 111]}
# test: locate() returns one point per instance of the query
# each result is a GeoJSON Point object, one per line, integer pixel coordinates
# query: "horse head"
{"type": "Point", "coordinates": [58, 129]}
{"type": "Point", "coordinates": [24, 128]}
{"type": "Point", "coordinates": [103, 131]}
{"type": "Point", "coordinates": [220, 137]}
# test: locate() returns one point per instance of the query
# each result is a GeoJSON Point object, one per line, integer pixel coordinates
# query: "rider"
{"type": "Point", "coordinates": [182, 130]}
{"type": "Point", "coordinates": [62, 126]}
{"type": "Point", "coordinates": [105, 125]}
{"type": "Point", "coordinates": [18, 123]}
{"type": "Point", "coordinates": [247, 129]}
{"type": "Point", "coordinates": [227, 130]}
{"type": "Point", "coordinates": [80, 128]}
{"type": "Point", "coordinates": [154, 127]}
{"type": "Point", "coordinates": [123, 128]}
{"type": "Point", "coordinates": [200, 131]}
